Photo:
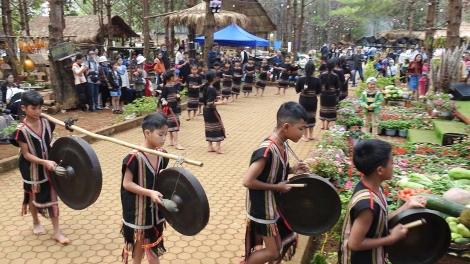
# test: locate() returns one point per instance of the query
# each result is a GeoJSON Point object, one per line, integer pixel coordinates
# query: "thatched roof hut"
{"type": "Point", "coordinates": [39, 59]}
{"type": "Point", "coordinates": [396, 34]}
{"type": "Point", "coordinates": [260, 23]}
{"type": "Point", "coordinates": [83, 29]}
{"type": "Point", "coordinates": [196, 15]}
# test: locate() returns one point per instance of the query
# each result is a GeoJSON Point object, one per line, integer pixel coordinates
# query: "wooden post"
{"type": "Point", "coordinates": [145, 28]}
{"type": "Point", "coordinates": [454, 18]}
{"type": "Point", "coordinates": [209, 25]}
{"type": "Point", "coordinates": [61, 75]}
{"type": "Point", "coordinates": [191, 34]}
{"type": "Point", "coordinates": [286, 29]}
{"type": "Point", "coordinates": [430, 25]}
{"type": "Point", "coordinates": [296, 30]}
{"type": "Point", "coordinates": [8, 28]}
{"type": "Point", "coordinates": [301, 24]}
{"type": "Point", "coordinates": [412, 15]}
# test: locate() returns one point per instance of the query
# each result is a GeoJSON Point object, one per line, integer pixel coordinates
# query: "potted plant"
{"type": "Point", "coordinates": [390, 126]}
{"type": "Point", "coordinates": [444, 106]}
{"type": "Point", "coordinates": [355, 133]}
{"type": "Point", "coordinates": [403, 126]}
{"type": "Point", "coordinates": [354, 121]}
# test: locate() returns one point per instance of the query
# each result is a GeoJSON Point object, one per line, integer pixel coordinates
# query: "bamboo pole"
{"type": "Point", "coordinates": [123, 143]}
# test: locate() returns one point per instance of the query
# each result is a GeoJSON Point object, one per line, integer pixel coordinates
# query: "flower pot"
{"type": "Point", "coordinates": [403, 133]}
{"type": "Point", "coordinates": [390, 132]}
{"type": "Point", "coordinates": [445, 113]}
{"type": "Point", "coordinates": [354, 141]}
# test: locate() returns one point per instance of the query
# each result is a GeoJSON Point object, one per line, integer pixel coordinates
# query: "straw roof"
{"type": "Point", "coordinates": [196, 15]}
{"type": "Point", "coordinates": [83, 29]}
{"type": "Point", "coordinates": [260, 23]}
{"type": "Point", "coordinates": [39, 59]}
{"type": "Point", "coordinates": [396, 34]}
{"type": "Point", "coordinates": [464, 31]}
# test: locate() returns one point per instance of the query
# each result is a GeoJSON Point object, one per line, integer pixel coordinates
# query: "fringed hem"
{"type": "Point", "coordinates": [286, 239]}
{"type": "Point", "coordinates": [151, 249]}
{"type": "Point", "coordinates": [47, 210]}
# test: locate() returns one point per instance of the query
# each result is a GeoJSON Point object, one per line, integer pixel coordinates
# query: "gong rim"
{"type": "Point", "coordinates": [194, 212]}
{"type": "Point", "coordinates": [311, 210]}
{"type": "Point", "coordinates": [434, 238]}
{"type": "Point", "coordinates": [84, 189]}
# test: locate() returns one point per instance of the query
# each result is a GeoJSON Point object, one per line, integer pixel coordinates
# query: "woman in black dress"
{"type": "Point", "coordinates": [215, 131]}
{"type": "Point", "coordinates": [263, 76]}
{"type": "Point", "coordinates": [309, 88]}
{"type": "Point", "coordinates": [249, 78]}
{"type": "Point", "coordinates": [169, 98]}
{"type": "Point", "coordinates": [194, 84]}
{"type": "Point", "coordinates": [237, 80]}
{"type": "Point", "coordinates": [226, 80]}
{"type": "Point", "coordinates": [202, 74]}
{"type": "Point", "coordinates": [329, 94]}
{"type": "Point", "coordinates": [339, 71]}
{"type": "Point", "coordinates": [347, 74]}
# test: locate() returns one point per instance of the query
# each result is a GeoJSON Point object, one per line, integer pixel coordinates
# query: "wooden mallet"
{"type": "Point", "coordinates": [416, 223]}
{"type": "Point", "coordinates": [296, 185]}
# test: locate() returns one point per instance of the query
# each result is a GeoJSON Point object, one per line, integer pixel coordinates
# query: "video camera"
{"type": "Point", "coordinates": [5, 111]}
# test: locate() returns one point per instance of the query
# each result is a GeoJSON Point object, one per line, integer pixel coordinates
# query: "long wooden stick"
{"type": "Point", "coordinates": [122, 143]}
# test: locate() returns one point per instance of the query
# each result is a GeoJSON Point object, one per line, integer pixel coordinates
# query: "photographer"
{"type": "Point", "coordinates": [84, 94]}
{"type": "Point", "coordinates": [93, 79]}
{"type": "Point", "coordinates": [214, 55]}
{"type": "Point", "coordinates": [184, 66]}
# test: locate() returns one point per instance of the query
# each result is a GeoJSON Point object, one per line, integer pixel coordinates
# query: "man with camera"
{"type": "Point", "coordinates": [84, 93]}
{"type": "Point", "coordinates": [93, 79]}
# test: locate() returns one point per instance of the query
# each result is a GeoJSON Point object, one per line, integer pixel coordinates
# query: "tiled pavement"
{"type": "Point", "coordinates": [94, 232]}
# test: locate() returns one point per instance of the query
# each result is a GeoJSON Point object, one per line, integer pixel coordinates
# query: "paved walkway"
{"type": "Point", "coordinates": [94, 232]}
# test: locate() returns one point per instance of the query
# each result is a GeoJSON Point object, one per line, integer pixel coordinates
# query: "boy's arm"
{"type": "Point", "coordinates": [362, 223]}
{"type": "Point", "coordinates": [251, 181]}
{"type": "Point", "coordinates": [129, 185]}
{"type": "Point", "coordinates": [49, 164]}
{"type": "Point", "coordinates": [378, 101]}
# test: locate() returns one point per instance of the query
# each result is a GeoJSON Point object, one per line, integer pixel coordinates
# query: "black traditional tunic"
{"type": "Point", "coordinates": [237, 80]}
{"type": "Point", "coordinates": [218, 77]}
{"type": "Point", "coordinates": [344, 88]}
{"type": "Point", "coordinates": [329, 96]}
{"type": "Point", "coordinates": [284, 79]}
{"type": "Point", "coordinates": [141, 218]}
{"type": "Point", "coordinates": [227, 83]}
{"type": "Point", "coordinates": [309, 90]}
{"type": "Point", "coordinates": [249, 79]}
{"type": "Point", "coordinates": [342, 80]}
{"type": "Point", "coordinates": [214, 127]}
{"type": "Point", "coordinates": [363, 199]}
{"type": "Point", "coordinates": [170, 110]}
{"type": "Point", "coordinates": [263, 217]}
{"type": "Point", "coordinates": [261, 83]}
{"type": "Point", "coordinates": [204, 81]}
{"type": "Point", "coordinates": [36, 177]}
{"type": "Point", "coordinates": [193, 93]}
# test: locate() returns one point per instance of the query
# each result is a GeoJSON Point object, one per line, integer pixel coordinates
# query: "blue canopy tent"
{"type": "Point", "coordinates": [233, 35]}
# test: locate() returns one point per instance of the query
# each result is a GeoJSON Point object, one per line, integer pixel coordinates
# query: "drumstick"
{"type": "Point", "coordinates": [123, 143]}
{"type": "Point", "coordinates": [416, 223]}
{"type": "Point", "coordinates": [296, 185]}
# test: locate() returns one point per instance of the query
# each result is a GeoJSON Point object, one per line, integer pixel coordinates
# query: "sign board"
{"type": "Point", "coordinates": [60, 51]}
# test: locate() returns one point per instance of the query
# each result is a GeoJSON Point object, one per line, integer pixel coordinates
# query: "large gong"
{"type": "Point", "coordinates": [313, 209]}
{"type": "Point", "coordinates": [181, 187]}
{"type": "Point", "coordinates": [424, 244]}
{"type": "Point", "coordinates": [80, 186]}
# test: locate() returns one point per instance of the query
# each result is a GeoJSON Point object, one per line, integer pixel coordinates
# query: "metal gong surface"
{"type": "Point", "coordinates": [82, 187]}
{"type": "Point", "coordinates": [182, 187]}
{"type": "Point", "coordinates": [424, 244]}
{"type": "Point", "coordinates": [311, 210]}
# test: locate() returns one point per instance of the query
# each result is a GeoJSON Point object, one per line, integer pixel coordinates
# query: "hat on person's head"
{"type": "Point", "coordinates": [371, 79]}
{"type": "Point", "coordinates": [134, 56]}
{"type": "Point", "coordinates": [103, 59]}
{"type": "Point", "coordinates": [140, 59]}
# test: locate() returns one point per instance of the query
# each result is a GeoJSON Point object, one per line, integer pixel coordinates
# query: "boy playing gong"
{"type": "Point", "coordinates": [142, 223]}
{"type": "Point", "coordinates": [34, 138]}
{"type": "Point", "coordinates": [365, 231]}
{"type": "Point", "coordinates": [266, 179]}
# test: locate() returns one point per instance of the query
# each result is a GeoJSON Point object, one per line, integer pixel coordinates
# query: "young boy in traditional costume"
{"type": "Point", "coordinates": [365, 231]}
{"type": "Point", "coordinates": [142, 227]}
{"type": "Point", "coordinates": [34, 138]}
{"type": "Point", "coordinates": [266, 179]}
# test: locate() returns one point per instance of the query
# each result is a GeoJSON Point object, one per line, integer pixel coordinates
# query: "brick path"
{"type": "Point", "coordinates": [94, 232]}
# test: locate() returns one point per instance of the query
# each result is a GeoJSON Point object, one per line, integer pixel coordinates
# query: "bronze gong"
{"type": "Point", "coordinates": [78, 178]}
{"type": "Point", "coordinates": [311, 210]}
{"type": "Point", "coordinates": [181, 186]}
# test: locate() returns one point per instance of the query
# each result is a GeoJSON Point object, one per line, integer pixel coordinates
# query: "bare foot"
{"type": "Point", "coordinates": [171, 144]}
{"type": "Point", "coordinates": [304, 139]}
{"type": "Point", "coordinates": [38, 230]}
{"type": "Point", "coordinates": [178, 146]}
{"type": "Point", "coordinates": [220, 151]}
{"type": "Point", "coordinates": [61, 239]}
{"type": "Point", "coordinates": [311, 138]}
{"type": "Point", "coordinates": [210, 150]}
{"type": "Point", "coordinates": [276, 94]}
{"type": "Point", "coordinates": [187, 119]}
